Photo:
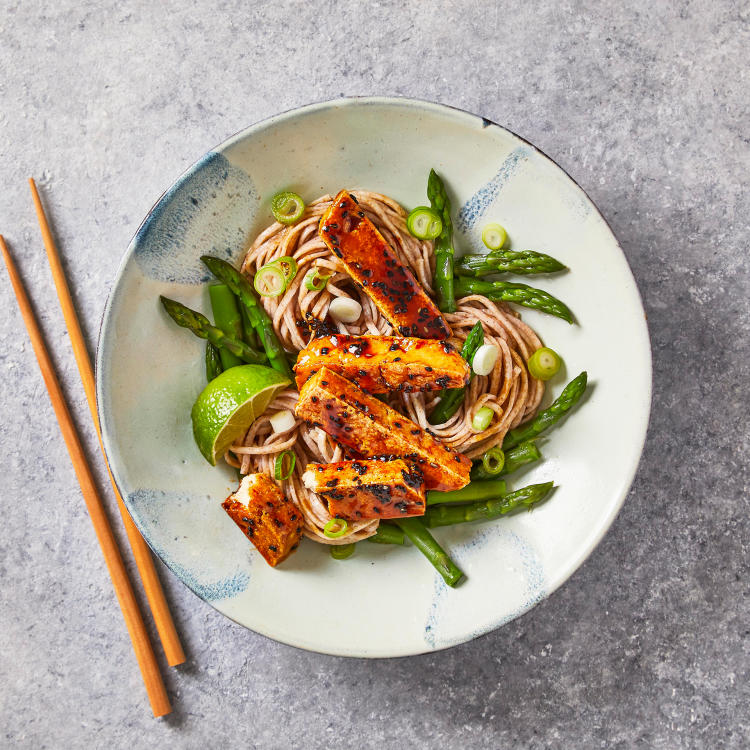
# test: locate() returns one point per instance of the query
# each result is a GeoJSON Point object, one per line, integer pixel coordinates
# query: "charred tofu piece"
{"type": "Point", "coordinates": [368, 489]}
{"type": "Point", "coordinates": [267, 518]}
{"type": "Point", "coordinates": [371, 429]}
{"type": "Point", "coordinates": [379, 364]}
{"type": "Point", "coordinates": [371, 262]}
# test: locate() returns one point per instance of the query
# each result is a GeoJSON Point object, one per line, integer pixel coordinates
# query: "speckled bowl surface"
{"type": "Point", "coordinates": [384, 601]}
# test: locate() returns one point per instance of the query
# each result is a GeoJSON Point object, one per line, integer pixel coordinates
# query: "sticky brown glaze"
{"type": "Point", "coordinates": [268, 519]}
{"type": "Point", "coordinates": [357, 490]}
{"type": "Point", "coordinates": [380, 364]}
{"type": "Point", "coordinates": [371, 429]}
{"type": "Point", "coordinates": [373, 265]}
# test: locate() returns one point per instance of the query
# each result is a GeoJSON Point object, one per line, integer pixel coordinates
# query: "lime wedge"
{"type": "Point", "coordinates": [230, 403]}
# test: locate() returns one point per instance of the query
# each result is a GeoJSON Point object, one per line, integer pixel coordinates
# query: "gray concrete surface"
{"type": "Point", "coordinates": [646, 105]}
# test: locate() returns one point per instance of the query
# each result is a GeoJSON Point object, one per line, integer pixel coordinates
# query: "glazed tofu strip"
{"type": "Point", "coordinates": [371, 262]}
{"type": "Point", "coordinates": [380, 364]}
{"type": "Point", "coordinates": [371, 429]}
{"type": "Point", "coordinates": [368, 489]}
{"type": "Point", "coordinates": [267, 518]}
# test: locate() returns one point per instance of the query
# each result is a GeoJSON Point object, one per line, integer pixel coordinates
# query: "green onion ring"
{"type": "Point", "coordinates": [288, 266]}
{"type": "Point", "coordinates": [287, 207]}
{"type": "Point", "coordinates": [424, 223]}
{"type": "Point", "coordinates": [315, 281]}
{"type": "Point", "coordinates": [278, 465]}
{"type": "Point", "coordinates": [335, 528]}
{"type": "Point", "coordinates": [482, 419]}
{"type": "Point", "coordinates": [493, 461]}
{"type": "Point", "coordinates": [269, 281]}
{"type": "Point", "coordinates": [544, 363]}
{"type": "Point", "coordinates": [494, 236]}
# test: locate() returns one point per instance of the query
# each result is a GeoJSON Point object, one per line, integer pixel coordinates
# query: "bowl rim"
{"type": "Point", "coordinates": [461, 115]}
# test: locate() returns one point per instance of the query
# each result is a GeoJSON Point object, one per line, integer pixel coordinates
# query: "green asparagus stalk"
{"type": "Point", "coordinates": [249, 334]}
{"type": "Point", "coordinates": [524, 453]}
{"type": "Point", "coordinates": [444, 253]}
{"type": "Point", "coordinates": [448, 515]}
{"type": "Point", "coordinates": [473, 492]}
{"type": "Point", "coordinates": [227, 317]}
{"type": "Point", "coordinates": [201, 327]}
{"type": "Point", "coordinates": [520, 294]}
{"type": "Point", "coordinates": [549, 416]}
{"type": "Point", "coordinates": [452, 398]}
{"type": "Point", "coordinates": [507, 261]}
{"type": "Point", "coordinates": [421, 538]}
{"type": "Point", "coordinates": [257, 315]}
{"type": "Point", "coordinates": [515, 458]}
{"type": "Point", "coordinates": [213, 362]}
{"type": "Point", "coordinates": [387, 534]}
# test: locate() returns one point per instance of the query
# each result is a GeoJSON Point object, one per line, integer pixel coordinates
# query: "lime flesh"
{"type": "Point", "coordinates": [230, 403]}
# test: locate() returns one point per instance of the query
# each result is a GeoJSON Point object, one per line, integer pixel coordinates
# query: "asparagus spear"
{"type": "Point", "coordinates": [521, 294]}
{"type": "Point", "coordinates": [515, 458]}
{"type": "Point", "coordinates": [447, 515]}
{"type": "Point", "coordinates": [451, 398]}
{"type": "Point", "coordinates": [421, 538]}
{"type": "Point", "coordinates": [213, 362]}
{"type": "Point", "coordinates": [257, 315]}
{"type": "Point", "coordinates": [227, 317]}
{"type": "Point", "coordinates": [440, 203]}
{"type": "Point", "coordinates": [547, 417]}
{"type": "Point", "coordinates": [248, 332]}
{"type": "Point", "coordinates": [507, 261]}
{"type": "Point", "coordinates": [201, 327]}
{"type": "Point", "coordinates": [387, 534]}
{"type": "Point", "coordinates": [473, 492]}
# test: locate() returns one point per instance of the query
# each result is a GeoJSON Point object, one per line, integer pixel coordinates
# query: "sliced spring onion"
{"type": "Point", "coordinates": [287, 207]}
{"type": "Point", "coordinates": [493, 461]}
{"type": "Point", "coordinates": [484, 359]}
{"type": "Point", "coordinates": [544, 363]}
{"type": "Point", "coordinates": [345, 309]}
{"type": "Point", "coordinates": [494, 236]}
{"type": "Point", "coordinates": [269, 281]}
{"type": "Point", "coordinates": [283, 466]}
{"type": "Point", "coordinates": [335, 528]}
{"type": "Point", "coordinates": [315, 281]}
{"type": "Point", "coordinates": [482, 419]}
{"type": "Point", "coordinates": [341, 551]}
{"type": "Point", "coordinates": [282, 421]}
{"type": "Point", "coordinates": [288, 266]}
{"type": "Point", "coordinates": [424, 223]}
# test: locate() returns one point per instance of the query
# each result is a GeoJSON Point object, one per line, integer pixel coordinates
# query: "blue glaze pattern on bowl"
{"type": "Point", "coordinates": [187, 213]}
{"type": "Point", "coordinates": [478, 204]}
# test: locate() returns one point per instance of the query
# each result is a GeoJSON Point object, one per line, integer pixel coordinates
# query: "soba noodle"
{"type": "Point", "coordinates": [508, 390]}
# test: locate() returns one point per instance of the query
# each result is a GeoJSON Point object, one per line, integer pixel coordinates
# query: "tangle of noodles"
{"type": "Point", "coordinates": [508, 390]}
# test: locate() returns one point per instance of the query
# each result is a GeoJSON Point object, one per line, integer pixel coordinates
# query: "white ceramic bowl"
{"type": "Point", "coordinates": [384, 601]}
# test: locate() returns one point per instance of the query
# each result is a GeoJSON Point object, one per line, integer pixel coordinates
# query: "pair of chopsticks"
{"type": "Point", "coordinates": [144, 652]}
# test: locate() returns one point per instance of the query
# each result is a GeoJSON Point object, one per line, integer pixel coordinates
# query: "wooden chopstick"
{"type": "Point", "coordinates": [141, 553]}
{"type": "Point", "coordinates": [146, 659]}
